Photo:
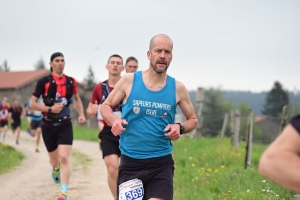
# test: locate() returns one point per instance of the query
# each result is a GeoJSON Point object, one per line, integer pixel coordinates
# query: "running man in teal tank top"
{"type": "Point", "coordinates": [147, 127]}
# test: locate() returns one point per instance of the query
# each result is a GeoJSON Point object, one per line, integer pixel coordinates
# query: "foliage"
{"type": "Point", "coordinates": [209, 169]}
{"type": "Point", "coordinates": [276, 99]}
{"type": "Point", "coordinates": [90, 79]}
{"type": "Point", "coordinates": [4, 67]}
{"type": "Point", "coordinates": [213, 112]}
{"type": "Point", "coordinates": [40, 64]}
{"type": "Point", "coordinates": [255, 100]}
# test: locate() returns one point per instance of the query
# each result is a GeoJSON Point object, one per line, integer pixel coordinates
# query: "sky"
{"type": "Point", "coordinates": [232, 45]}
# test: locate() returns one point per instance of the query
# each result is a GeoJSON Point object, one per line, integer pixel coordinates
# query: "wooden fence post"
{"type": "Point", "coordinates": [249, 139]}
{"type": "Point", "coordinates": [232, 127]}
{"type": "Point", "coordinates": [237, 123]}
{"type": "Point", "coordinates": [199, 108]}
{"type": "Point", "coordinates": [225, 121]}
{"type": "Point", "coordinates": [285, 111]}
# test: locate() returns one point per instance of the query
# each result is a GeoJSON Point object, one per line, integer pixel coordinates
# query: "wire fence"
{"type": "Point", "coordinates": [265, 128]}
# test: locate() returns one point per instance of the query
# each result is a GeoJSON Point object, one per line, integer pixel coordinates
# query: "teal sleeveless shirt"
{"type": "Point", "coordinates": [148, 113]}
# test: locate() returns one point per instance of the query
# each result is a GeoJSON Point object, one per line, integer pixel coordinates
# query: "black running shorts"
{"type": "Point", "coordinates": [3, 123]}
{"type": "Point", "coordinates": [109, 143]}
{"type": "Point", "coordinates": [35, 124]}
{"type": "Point", "coordinates": [56, 133]}
{"type": "Point", "coordinates": [156, 175]}
{"type": "Point", "coordinates": [15, 125]}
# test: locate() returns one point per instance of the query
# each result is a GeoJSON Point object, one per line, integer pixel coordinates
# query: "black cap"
{"type": "Point", "coordinates": [57, 54]}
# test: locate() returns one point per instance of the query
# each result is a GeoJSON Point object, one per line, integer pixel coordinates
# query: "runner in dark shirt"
{"type": "Point", "coordinates": [15, 113]}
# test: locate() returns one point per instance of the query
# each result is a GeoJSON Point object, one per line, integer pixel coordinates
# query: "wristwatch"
{"type": "Point", "coordinates": [49, 110]}
{"type": "Point", "coordinates": [182, 129]}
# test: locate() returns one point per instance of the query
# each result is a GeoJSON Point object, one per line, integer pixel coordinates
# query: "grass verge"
{"type": "Point", "coordinates": [80, 161]}
{"type": "Point", "coordinates": [9, 158]}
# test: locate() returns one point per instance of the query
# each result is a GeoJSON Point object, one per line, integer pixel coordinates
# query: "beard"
{"type": "Point", "coordinates": [157, 70]}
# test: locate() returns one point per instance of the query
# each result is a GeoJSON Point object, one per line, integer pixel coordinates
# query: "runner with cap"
{"type": "Point", "coordinates": [57, 91]}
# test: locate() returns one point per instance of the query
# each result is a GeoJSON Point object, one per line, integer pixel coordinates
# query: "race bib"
{"type": "Point", "coordinates": [118, 114]}
{"type": "Point", "coordinates": [131, 190]}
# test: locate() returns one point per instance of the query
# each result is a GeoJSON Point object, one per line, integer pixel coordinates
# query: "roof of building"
{"type": "Point", "coordinates": [17, 79]}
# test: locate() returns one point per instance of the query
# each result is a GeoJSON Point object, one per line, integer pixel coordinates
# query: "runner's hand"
{"type": "Point", "coordinates": [172, 131]}
{"type": "Point", "coordinates": [117, 127]}
{"type": "Point", "coordinates": [95, 107]}
{"type": "Point", "coordinates": [57, 107]}
{"type": "Point", "coordinates": [81, 120]}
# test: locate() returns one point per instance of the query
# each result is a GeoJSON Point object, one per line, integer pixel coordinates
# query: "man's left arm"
{"type": "Point", "coordinates": [78, 103]}
{"type": "Point", "coordinates": [187, 108]}
{"type": "Point", "coordinates": [184, 102]}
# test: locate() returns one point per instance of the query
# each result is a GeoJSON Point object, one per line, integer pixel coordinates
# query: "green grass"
{"type": "Point", "coordinates": [82, 133]}
{"type": "Point", "coordinates": [208, 169]}
{"type": "Point", "coordinates": [24, 124]}
{"type": "Point", "coordinates": [9, 158]}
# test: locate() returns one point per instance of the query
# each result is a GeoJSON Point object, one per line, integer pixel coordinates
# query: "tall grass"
{"type": "Point", "coordinates": [208, 169]}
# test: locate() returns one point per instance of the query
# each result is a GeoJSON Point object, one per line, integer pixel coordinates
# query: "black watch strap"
{"type": "Point", "coordinates": [182, 129]}
{"type": "Point", "coordinates": [49, 110]}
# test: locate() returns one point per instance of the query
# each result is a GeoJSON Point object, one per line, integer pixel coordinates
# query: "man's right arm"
{"type": "Point", "coordinates": [120, 91]}
{"type": "Point", "coordinates": [280, 162]}
{"type": "Point", "coordinates": [38, 91]}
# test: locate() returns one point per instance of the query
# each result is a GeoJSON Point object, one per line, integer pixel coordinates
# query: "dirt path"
{"type": "Point", "coordinates": [32, 179]}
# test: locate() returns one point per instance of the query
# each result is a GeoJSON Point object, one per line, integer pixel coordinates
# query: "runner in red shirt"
{"type": "Point", "coordinates": [4, 117]}
{"type": "Point", "coordinates": [109, 143]}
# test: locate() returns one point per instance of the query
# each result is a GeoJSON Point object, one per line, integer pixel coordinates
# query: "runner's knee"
{"type": "Point", "coordinates": [112, 170]}
{"type": "Point", "coordinates": [63, 158]}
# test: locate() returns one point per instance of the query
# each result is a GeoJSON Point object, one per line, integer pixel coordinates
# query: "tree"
{"type": "Point", "coordinates": [275, 100]}
{"type": "Point", "coordinates": [90, 79]}
{"type": "Point", "coordinates": [40, 64]}
{"type": "Point", "coordinates": [213, 112]}
{"type": "Point", "coordinates": [4, 67]}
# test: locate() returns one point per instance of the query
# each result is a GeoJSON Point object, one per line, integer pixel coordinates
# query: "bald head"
{"type": "Point", "coordinates": [158, 37]}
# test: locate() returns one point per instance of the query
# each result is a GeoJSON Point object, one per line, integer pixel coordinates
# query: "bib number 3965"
{"type": "Point", "coordinates": [131, 190]}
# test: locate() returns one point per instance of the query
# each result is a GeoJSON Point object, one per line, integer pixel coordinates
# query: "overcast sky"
{"type": "Point", "coordinates": [235, 45]}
